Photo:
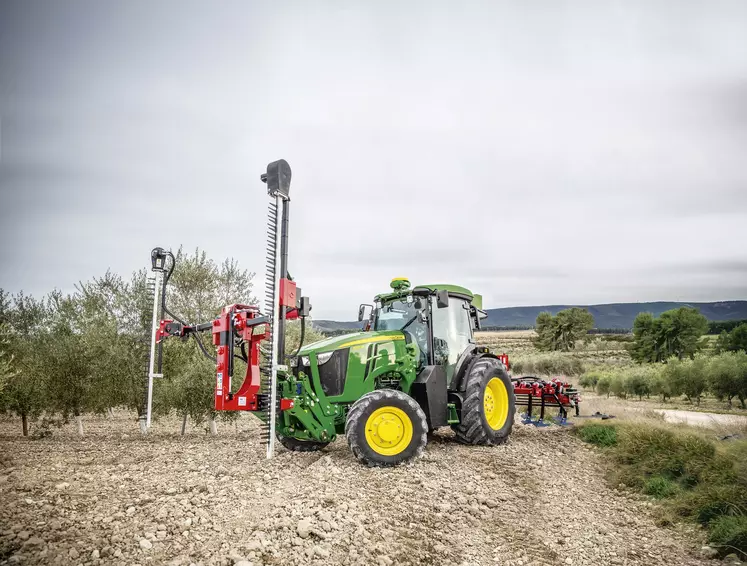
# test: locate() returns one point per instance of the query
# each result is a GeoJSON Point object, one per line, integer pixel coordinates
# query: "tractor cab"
{"type": "Point", "coordinates": [438, 319]}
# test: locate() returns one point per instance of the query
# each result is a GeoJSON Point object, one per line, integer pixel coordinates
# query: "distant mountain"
{"type": "Point", "coordinates": [616, 315]}
{"type": "Point", "coordinates": [613, 315]}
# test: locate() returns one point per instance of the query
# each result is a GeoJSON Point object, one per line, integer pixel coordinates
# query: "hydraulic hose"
{"type": "Point", "coordinates": [202, 347]}
{"type": "Point", "coordinates": [300, 342]}
{"type": "Point", "coordinates": [165, 309]}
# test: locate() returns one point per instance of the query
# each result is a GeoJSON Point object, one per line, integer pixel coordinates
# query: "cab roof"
{"type": "Point", "coordinates": [431, 289]}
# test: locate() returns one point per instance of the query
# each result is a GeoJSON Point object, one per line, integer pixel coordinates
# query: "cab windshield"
{"type": "Point", "coordinates": [397, 315]}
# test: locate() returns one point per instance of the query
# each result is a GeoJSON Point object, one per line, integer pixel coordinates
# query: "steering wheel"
{"type": "Point", "coordinates": [418, 339]}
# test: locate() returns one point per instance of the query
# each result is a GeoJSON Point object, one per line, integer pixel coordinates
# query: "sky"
{"type": "Point", "coordinates": [556, 152]}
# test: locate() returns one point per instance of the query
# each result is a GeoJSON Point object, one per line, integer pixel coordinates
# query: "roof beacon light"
{"type": "Point", "coordinates": [400, 283]}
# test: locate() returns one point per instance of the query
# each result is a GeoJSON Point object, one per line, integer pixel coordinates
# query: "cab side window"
{"type": "Point", "coordinates": [452, 333]}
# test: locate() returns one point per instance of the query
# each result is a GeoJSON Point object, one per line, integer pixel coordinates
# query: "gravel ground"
{"type": "Point", "coordinates": [117, 498]}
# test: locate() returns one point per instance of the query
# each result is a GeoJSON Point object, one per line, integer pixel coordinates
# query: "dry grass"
{"type": "Point", "coordinates": [518, 345]}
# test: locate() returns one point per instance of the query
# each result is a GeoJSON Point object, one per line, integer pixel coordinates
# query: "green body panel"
{"type": "Point", "coordinates": [375, 359]}
{"type": "Point", "coordinates": [346, 340]}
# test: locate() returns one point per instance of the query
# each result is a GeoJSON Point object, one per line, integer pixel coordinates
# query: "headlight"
{"type": "Point", "coordinates": [304, 360]}
{"type": "Point", "coordinates": [323, 358]}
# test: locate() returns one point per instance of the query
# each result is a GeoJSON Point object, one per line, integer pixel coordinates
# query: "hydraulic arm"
{"type": "Point", "coordinates": [241, 331]}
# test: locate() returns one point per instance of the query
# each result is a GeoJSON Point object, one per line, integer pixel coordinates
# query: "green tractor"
{"type": "Point", "coordinates": [415, 368]}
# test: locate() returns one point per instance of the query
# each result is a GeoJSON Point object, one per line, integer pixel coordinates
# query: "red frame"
{"type": "Point", "coordinates": [245, 399]}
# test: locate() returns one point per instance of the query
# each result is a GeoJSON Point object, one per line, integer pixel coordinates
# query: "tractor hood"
{"type": "Point", "coordinates": [346, 340]}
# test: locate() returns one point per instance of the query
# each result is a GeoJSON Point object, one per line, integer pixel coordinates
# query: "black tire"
{"type": "Point", "coordinates": [297, 445]}
{"type": "Point", "coordinates": [475, 427]}
{"type": "Point", "coordinates": [365, 407]}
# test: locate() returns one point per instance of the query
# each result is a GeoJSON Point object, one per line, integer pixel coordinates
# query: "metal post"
{"type": "Point", "coordinates": [283, 264]}
{"type": "Point", "coordinates": [276, 330]}
{"type": "Point", "coordinates": [151, 373]}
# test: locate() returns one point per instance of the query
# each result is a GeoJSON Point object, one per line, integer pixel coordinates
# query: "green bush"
{"type": "Point", "coordinates": [589, 380]}
{"type": "Point", "coordinates": [617, 385]}
{"type": "Point", "coordinates": [729, 533]}
{"type": "Point", "coordinates": [598, 434]}
{"type": "Point", "coordinates": [603, 385]}
{"type": "Point", "coordinates": [660, 487]}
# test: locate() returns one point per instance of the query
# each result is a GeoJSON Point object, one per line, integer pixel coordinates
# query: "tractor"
{"type": "Point", "coordinates": [413, 368]}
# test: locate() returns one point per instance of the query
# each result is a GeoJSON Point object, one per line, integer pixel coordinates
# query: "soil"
{"type": "Point", "coordinates": [114, 497]}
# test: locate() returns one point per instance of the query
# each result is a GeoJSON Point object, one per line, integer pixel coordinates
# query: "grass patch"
{"type": "Point", "coordinates": [729, 534]}
{"type": "Point", "coordinates": [598, 434]}
{"type": "Point", "coordinates": [660, 487]}
{"type": "Point", "coordinates": [696, 478]}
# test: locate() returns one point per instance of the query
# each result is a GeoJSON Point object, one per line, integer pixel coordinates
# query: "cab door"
{"type": "Point", "coordinates": [452, 333]}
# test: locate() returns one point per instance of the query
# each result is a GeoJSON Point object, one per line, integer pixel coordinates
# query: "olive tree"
{"type": "Point", "coordinates": [562, 331]}
{"type": "Point", "coordinates": [676, 332]}
{"type": "Point", "coordinates": [23, 320]}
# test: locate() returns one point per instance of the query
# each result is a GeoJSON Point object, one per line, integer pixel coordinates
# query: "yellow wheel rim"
{"type": "Point", "coordinates": [495, 403]}
{"type": "Point", "coordinates": [388, 431]}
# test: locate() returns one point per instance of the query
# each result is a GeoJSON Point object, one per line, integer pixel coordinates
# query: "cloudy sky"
{"type": "Point", "coordinates": [537, 152]}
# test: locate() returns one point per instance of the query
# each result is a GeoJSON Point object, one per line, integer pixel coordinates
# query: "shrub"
{"type": "Point", "coordinates": [589, 381]}
{"type": "Point", "coordinates": [603, 385]}
{"type": "Point", "coordinates": [725, 375]}
{"type": "Point", "coordinates": [729, 533]}
{"type": "Point", "coordinates": [617, 385]}
{"type": "Point", "coordinates": [598, 434]}
{"type": "Point", "coordinates": [637, 383]}
{"type": "Point", "coordinates": [660, 487]}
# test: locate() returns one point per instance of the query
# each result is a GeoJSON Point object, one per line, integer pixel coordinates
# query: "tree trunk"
{"type": "Point", "coordinates": [213, 425]}
{"type": "Point", "coordinates": [79, 419]}
{"type": "Point", "coordinates": [25, 424]}
{"type": "Point", "coordinates": [184, 424]}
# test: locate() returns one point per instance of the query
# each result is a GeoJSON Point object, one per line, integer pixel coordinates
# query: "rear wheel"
{"type": "Point", "coordinates": [489, 404]}
{"type": "Point", "coordinates": [297, 445]}
{"type": "Point", "coordinates": [385, 428]}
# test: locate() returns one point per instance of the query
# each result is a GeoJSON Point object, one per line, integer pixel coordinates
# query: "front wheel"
{"type": "Point", "coordinates": [385, 428]}
{"type": "Point", "coordinates": [489, 404]}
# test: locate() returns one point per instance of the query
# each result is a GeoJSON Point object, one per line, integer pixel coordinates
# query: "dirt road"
{"type": "Point", "coordinates": [117, 498]}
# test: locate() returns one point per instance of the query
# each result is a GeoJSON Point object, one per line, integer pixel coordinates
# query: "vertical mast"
{"type": "Point", "coordinates": [278, 184]}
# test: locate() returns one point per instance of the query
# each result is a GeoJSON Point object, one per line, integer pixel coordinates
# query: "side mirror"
{"type": "Point", "coordinates": [442, 299]}
{"type": "Point", "coordinates": [362, 312]}
{"type": "Point", "coordinates": [475, 315]}
{"type": "Point", "coordinates": [418, 304]}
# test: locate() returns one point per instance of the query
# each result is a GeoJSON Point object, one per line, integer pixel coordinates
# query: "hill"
{"type": "Point", "coordinates": [612, 315]}
{"type": "Point", "coordinates": [616, 315]}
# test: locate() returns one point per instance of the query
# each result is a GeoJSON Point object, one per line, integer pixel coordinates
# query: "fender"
{"type": "Point", "coordinates": [465, 363]}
